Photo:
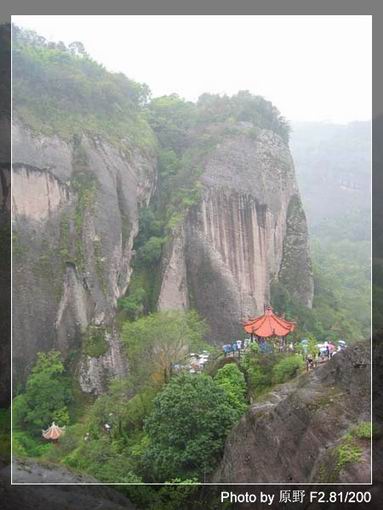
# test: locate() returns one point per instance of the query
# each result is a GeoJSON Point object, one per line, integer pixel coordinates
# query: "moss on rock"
{"type": "Point", "coordinates": [94, 343]}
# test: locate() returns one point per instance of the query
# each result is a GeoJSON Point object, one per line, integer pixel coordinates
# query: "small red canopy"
{"type": "Point", "coordinates": [53, 432]}
{"type": "Point", "coordinates": [268, 325]}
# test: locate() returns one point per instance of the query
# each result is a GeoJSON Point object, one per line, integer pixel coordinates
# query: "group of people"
{"type": "Point", "coordinates": [236, 346]}
{"type": "Point", "coordinates": [325, 352]}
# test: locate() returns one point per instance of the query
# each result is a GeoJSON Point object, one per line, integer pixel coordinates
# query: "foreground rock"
{"type": "Point", "coordinates": [44, 497]}
{"type": "Point", "coordinates": [293, 434]}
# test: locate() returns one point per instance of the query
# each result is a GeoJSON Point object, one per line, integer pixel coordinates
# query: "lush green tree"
{"type": "Point", "coordinates": [150, 252]}
{"type": "Point", "coordinates": [242, 107]}
{"type": "Point", "coordinates": [187, 428]}
{"type": "Point", "coordinates": [171, 117]}
{"type": "Point", "coordinates": [133, 303]}
{"type": "Point", "coordinates": [62, 91]}
{"type": "Point", "coordinates": [258, 369]}
{"type": "Point", "coordinates": [156, 342]}
{"type": "Point", "coordinates": [232, 381]}
{"type": "Point", "coordinates": [46, 397]}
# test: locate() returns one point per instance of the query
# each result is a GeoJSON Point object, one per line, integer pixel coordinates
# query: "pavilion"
{"type": "Point", "coordinates": [53, 432]}
{"type": "Point", "coordinates": [269, 325]}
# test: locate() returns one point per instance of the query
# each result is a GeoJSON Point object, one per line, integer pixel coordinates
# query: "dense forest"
{"type": "Point", "coordinates": [333, 166]}
{"type": "Point", "coordinates": [166, 426]}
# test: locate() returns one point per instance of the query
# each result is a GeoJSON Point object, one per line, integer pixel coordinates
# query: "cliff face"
{"type": "Point", "coordinates": [300, 426]}
{"type": "Point", "coordinates": [75, 209]}
{"type": "Point", "coordinates": [248, 229]}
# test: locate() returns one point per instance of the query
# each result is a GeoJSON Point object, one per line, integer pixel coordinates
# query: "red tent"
{"type": "Point", "coordinates": [268, 325]}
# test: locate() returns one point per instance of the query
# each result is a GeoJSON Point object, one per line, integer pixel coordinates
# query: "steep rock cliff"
{"type": "Point", "coordinates": [247, 230]}
{"type": "Point", "coordinates": [300, 426]}
{"type": "Point", "coordinates": [75, 207]}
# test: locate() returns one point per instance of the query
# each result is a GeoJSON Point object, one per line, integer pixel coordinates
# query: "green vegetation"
{"type": "Point", "coordinates": [287, 368]}
{"type": "Point", "coordinates": [232, 381]}
{"type": "Point", "coordinates": [187, 133]}
{"type": "Point", "coordinates": [25, 445]}
{"type": "Point", "coordinates": [363, 430]}
{"type": "Point", "coordinates": [264, 370]}
{"type": "Point", "coordinates": [163, 423]}
{"type": "Point", "coordinates": [187, 428]}
{"type": "Point", "coordinates": [94, 343]}
{"type": "Point", "coordinates": [348, 453]}
{"type": "Point", "coordinates": [84, 184]}
{"type": "Point", "coordinates": [341, 307]}
{"type": "Point", "coordinates": [60, 90]}
{"type": "Point", "coordinates": [46, 397]}
{"type": "Point", "coordinates": [336, 160]}
{"type": "Point", "coordinates": [156, 342]}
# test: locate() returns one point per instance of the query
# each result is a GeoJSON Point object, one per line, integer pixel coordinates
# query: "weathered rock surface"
{"type": "Point", "coordinates": [291, 434]}
{"type": "Point", "coordinates": [75, 207]}
{"type": "Point", "coordinates": [52, 496]}
{"type": "Point", "coordinates": [248, 229]}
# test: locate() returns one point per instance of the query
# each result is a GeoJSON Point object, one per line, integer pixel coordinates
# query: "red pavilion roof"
{"type": "Point", "coordinates": [268, 325]}
{"type": "Point", "coordinates": [53, 432]}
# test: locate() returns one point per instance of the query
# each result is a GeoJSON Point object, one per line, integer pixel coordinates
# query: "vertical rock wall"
{"type": "Point", "coordinates": [75, 216]}
{"type": "Point", "coordinates": [247, 230]}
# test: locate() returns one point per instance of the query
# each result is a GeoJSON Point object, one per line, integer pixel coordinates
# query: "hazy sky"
{"type": "Point", "coordinates": [310, 67]}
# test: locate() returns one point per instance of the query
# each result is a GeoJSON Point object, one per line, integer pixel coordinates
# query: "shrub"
{"type": "Point", "coordinates": [287, 368]}
{"type": "Point", "coordinates": [362, 431]}
{"type": "Point", "coordinates": [232, 381]}
{"type": "Point", "coordinates": [348, 453]}
{"type": "Point", "coordinates": [94, 343]}
{"type": "Point", "coordinates": [23, 445]}
{"type": "Point", "coordinates": [46, 397]}
{"type": "Point", "coordinates": [156, 342]}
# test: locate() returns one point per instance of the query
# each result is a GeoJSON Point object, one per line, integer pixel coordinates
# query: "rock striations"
{"type": "Point", "coordinates": [248, 230]}
{"type": "Point", "coordinates": [75, 216]}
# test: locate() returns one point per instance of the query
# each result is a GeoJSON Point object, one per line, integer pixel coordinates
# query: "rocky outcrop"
{"type": "Point", "coordinates": [75, 207]}
{"type": "Point", "coordinates": [76, 495]}
{"type": "Point", "coordinates": [75, 216]}
{"type": "Point", "coordinates": [5, 282]}
{"type": "Point", "coordinates": [300, 426]}
{"type": "Point", "coordinates": [248, 229]}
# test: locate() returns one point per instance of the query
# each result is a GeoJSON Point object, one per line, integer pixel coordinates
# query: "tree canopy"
{"type": "Point", "coordinates": [187, 427]}
{"type": "Point", "coordinates": [61, 90]}
{"type": "Point", "coordinates": [156, 342]}
{"type": "Point", "coordinates": [46, 397]}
